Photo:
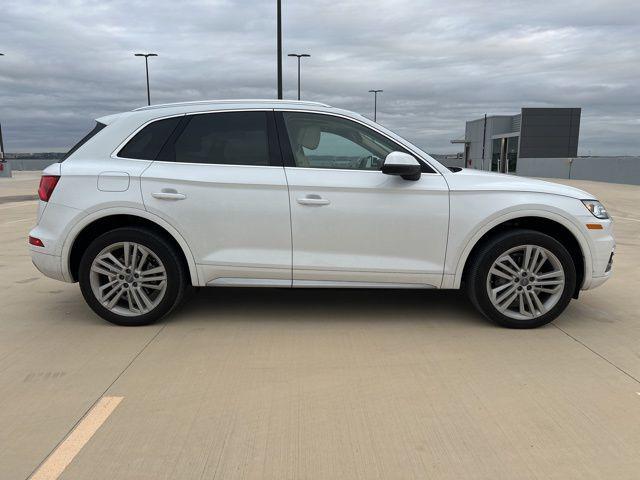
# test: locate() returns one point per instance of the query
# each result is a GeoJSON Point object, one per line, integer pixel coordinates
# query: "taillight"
{"type": "Point", "coordinates": [47, 185]}
{"type": "Point", "coordinates": [35, 241]}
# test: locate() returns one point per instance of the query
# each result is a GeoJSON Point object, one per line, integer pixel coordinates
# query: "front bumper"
{"type": "Point", "coordinates": [597, 281]}
{"type": "Point", "coordinates": [603, 246]}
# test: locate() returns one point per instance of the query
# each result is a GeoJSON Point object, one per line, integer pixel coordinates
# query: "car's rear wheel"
{"type": "Point", "coordinates": [131, 276]}
{"type": "Point", "coordinates": [522, 279]}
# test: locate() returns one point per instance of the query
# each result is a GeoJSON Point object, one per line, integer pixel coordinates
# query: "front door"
{"type": "Point", "coordinates": [351, 224]}
{"type": "Point", "coordinates": [219, 181]}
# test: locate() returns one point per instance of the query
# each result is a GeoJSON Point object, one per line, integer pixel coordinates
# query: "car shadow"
{"type": "Point", "coordinates": [340, 305]}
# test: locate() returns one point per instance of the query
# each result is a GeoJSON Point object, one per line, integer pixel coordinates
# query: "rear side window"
{"type": "Point", "coordinates": [99, 126]}
{"type": "Point", "coordinates": [148, 142]}
{"type": "Point", "coordinates": [228, 138]}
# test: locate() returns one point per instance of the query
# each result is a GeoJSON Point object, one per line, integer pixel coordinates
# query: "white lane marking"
{"type": "Point", "coordinates": [64, 453]}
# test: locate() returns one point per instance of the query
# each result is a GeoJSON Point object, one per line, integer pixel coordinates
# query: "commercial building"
{"type": "Point", "coordinates": [498, 142]}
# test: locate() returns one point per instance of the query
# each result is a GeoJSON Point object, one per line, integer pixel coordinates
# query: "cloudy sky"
{"type": "Point", "coordinates": [439, 62]}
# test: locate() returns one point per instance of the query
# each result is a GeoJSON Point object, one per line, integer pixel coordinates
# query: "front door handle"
{"type": "Point", "coordinates": [313, 199]}
{"type": "Point", "coordinates": [168, 194]}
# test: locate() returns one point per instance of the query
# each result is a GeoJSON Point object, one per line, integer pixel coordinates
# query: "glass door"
{"type": "Point", "coordinates": [511, 155]}
{"type": "Point", "coordinates": [496, 154]}
{"type": "Point", "coordinates": [504, 156]}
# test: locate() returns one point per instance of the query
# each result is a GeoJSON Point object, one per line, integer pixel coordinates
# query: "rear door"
{"type": "Point", "coordinates": [219, 181]}
{"type": "Point", "coordinates": [352, 225]}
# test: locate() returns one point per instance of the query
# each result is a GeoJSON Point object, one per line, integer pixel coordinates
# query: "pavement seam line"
{"type": "Point", "coordinates": [598, 354]}
{"type": "Point", "coordinates": [66, 451]}
{"type": "Point", "coordinates": [18, 198]}
{"type": "Point", "coordinates": [135, 357]}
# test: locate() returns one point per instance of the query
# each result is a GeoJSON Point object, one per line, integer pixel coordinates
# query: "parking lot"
{"type": "Point", "coordinates": [293, 384]}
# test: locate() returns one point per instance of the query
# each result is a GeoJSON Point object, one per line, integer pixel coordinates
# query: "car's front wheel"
{"type": "Point", "coordinates": [522, 279]}
{"type": "Point", "coordinates": [131, 276]}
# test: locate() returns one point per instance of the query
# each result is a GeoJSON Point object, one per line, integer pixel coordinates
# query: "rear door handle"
{"type": "Point", "coordinates": [313, 199]}
{"type": "Point", "coordinates": [168, 194]}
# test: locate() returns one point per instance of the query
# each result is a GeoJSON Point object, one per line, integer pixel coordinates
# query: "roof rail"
{"type": "Point", "coordinates": [209, 102]}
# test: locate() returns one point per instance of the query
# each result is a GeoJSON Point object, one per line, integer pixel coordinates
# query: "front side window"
{"type": "Point", "coordinates": [324, 141]}
{"type": "Point", "coordinates": [227, 138]}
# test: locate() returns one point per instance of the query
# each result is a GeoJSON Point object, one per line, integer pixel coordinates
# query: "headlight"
{"type": "Point", "coordinates": [596, 208]}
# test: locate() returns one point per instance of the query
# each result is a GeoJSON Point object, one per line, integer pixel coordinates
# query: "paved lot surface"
{"type": "Point", "coordinates": [278, 384]}
{"type": "Point", "coordinates": [23, 186]}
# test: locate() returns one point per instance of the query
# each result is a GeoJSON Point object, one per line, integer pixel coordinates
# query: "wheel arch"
{"type": "Point", "coordinates": [105, 220]}
{"type": "Point", "coordinates": [548, 223]}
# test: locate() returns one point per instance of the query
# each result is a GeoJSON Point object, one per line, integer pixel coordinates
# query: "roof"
{"type": "Point", "coordinates": [235, 102]}
{"type": "Point", "coordinates": [151, 112]}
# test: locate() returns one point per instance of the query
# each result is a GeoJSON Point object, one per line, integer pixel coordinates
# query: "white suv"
{"type": "Point", "coordinates": [297, 194]}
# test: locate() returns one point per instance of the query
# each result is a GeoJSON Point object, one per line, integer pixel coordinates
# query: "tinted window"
{"type": "Point", "coordinates": [99, 126]}
{"type": "Point", "coordinates": [149, 141]}
{"type": "Point", "coordinates": [232, 138]}
{"type": "Point", "coordinates": [324, 141]}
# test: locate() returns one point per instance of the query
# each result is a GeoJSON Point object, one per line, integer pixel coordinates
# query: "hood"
{"type": "Point", "coordinates": [477, 180]}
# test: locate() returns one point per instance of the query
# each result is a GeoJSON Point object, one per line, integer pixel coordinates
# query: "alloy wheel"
{"type": "Point", "coordinates": [128, 279]}
{"type": "Point", "coordinates": [525, 282]}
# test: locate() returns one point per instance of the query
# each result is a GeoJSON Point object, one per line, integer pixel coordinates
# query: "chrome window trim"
{"type": "Point", "coordinates": [120, 146]}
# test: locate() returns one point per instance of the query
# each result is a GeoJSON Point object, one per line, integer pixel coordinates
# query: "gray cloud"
{"type": "Point", "coordinates": [439, 63]}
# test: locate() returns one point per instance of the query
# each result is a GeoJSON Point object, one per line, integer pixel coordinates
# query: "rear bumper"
{"type": "Point", "coordinates": [54, 222]}
{"type": "Point", "coordinates": [49, 265]}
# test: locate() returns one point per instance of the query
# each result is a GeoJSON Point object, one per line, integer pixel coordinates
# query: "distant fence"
{"type": "Point", "coordinates": [30, 163]}
{"type": "Point", "coordinates": [601, 169]}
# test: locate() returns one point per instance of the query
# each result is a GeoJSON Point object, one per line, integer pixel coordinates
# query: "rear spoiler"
{"type": "Point", "coordinates": [109, 119]}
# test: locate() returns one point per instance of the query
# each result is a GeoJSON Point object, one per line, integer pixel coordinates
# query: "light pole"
{"type": "Point", "coordinates": [146, 66]}
{"type": "Point", "coordinates": [1, 142]}
{"type": "Point", "coordinates": [299, 56]}
{"type": "Point", "coordinates": [279, 42]}
{"type": "Point", "coordinates": [375, 103]}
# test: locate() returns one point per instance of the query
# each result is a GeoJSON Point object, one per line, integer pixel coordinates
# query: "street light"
{"type": "Point", "coordinates": [1, 142]}
{"type": "Point", "coordinates": [146, 66]}
{"type": "Point", "coordinates": [299, 56]}
{"type": "Point", "coordinates": [279, 46]}
{"type": "Point", "coordinates": [375, 103]}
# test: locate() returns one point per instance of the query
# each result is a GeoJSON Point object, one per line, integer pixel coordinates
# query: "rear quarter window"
{"type": "Point", "coordinates": [148, 142]}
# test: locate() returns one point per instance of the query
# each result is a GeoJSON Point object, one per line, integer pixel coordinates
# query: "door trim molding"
{"type": "Point", "coordinates": [348, 284]}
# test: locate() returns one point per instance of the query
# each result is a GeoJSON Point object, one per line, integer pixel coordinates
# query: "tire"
{"type": "Point", "coordinates": [553, 284]}
{"type": "Point", "coordinates": [145, 293]}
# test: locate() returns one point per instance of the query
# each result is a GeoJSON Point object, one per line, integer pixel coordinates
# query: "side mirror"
{"type": "Point", "coordinates": [402, 164]}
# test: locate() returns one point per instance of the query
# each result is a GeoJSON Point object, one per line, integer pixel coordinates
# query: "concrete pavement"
{"type": "Point", "coordinates": [322, 384]}
{"type": "Point", "coordinates": [23, 186]}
